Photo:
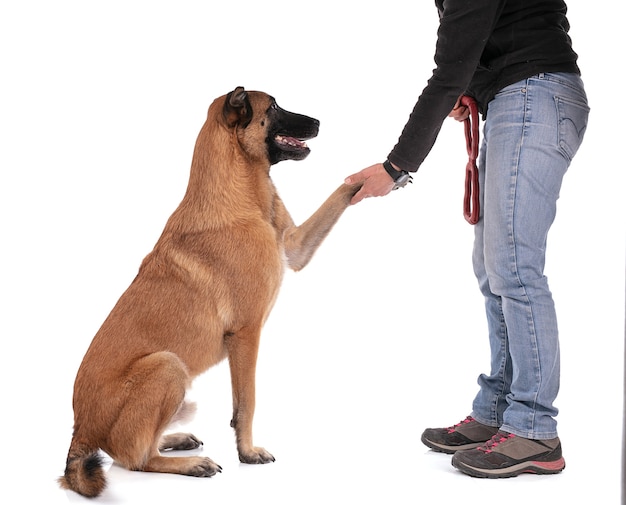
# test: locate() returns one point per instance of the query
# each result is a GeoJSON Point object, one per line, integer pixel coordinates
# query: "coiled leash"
{"type": "Point", "coordinates": [471, 203]}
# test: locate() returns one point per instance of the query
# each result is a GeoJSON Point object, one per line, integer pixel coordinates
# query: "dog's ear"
{"type": "Point", "coordinates": [237, 108]}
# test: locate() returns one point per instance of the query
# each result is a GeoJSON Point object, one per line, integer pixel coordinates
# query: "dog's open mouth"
{"type": "Point", "coordinates": [287, 135]}
{"type": "Point", "coordinates": [286, 142]}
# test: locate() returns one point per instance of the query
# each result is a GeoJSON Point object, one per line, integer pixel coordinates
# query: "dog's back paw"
{"type": "Point", "coordinates": [179, 442]}
{"type": "Point", "coordinates": [204, 467]}
{"type": "Point", "coordinates": [194, 466]}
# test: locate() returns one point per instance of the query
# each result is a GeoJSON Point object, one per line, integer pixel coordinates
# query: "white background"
{"type": "Point", "coordinates": [381, 336]}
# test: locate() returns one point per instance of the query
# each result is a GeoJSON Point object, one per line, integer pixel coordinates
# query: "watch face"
{"type": "Point", "coordinates": [403, 180]}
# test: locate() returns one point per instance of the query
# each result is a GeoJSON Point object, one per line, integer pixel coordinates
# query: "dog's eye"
{"type": "Point", "coordinates": [262, 123]}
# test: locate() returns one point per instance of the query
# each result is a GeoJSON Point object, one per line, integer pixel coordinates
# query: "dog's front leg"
{"type": "Point", "coordinates": [302, 241]}
{"type": "Point", "coordinates": [242, 355]}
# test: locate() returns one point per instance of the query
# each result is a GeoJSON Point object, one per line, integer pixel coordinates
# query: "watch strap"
{"type": "Point", "coordinates": [400, 177]}
{"type": "Point", "coordinates": [393, 173]}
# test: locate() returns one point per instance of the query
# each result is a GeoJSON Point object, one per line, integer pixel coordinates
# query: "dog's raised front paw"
{"type": "Point", "coordinates": [256, 456]}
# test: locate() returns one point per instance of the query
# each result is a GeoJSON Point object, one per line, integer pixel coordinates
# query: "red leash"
{"type": "Point", "coordinates": [471, 204]}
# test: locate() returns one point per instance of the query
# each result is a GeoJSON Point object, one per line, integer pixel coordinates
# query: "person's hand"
{"type": "Point", "coordinates": [376, 182]}
{"type": "Point", "coordinates": [459, 112]}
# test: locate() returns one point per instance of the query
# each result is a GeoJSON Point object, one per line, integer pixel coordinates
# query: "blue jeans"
{"type": "Point", "coordinates": [532, 131]}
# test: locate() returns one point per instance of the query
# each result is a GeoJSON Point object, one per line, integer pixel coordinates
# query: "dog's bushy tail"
{"type": "Point", "coordinates": [83, 472]}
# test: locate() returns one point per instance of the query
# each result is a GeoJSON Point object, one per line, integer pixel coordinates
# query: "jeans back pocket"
{"type": "Point", "coordinates": [572, 124]}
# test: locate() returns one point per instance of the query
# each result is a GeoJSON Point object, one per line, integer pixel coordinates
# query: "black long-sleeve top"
{"type": "Point", "coordinates": [483, 46]}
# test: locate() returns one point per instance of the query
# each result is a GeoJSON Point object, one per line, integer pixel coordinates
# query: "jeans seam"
{"type": "Point", "coordinates": [513, 244]}
{"type": "Point", "coordinates": [554, 77]}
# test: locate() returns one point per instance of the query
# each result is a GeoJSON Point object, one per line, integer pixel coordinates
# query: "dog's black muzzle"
{"type": "Point", "coordinates": [287, 134]}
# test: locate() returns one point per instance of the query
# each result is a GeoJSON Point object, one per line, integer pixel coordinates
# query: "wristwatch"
{"type": "Point", "coordinates": [400, 177]}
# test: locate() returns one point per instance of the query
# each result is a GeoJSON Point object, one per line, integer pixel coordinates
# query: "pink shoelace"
{"type": "Point", "coordinates": [495, 441]}
{"type": "Point", "coordinates": [467, 420]}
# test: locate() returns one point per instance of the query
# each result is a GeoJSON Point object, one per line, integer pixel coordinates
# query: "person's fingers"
{"type": "Point", "coordinates": [355, 178]}
{"type": "Point", "coordinates": [360, 195]}
{"type": "Point", "coordinates": [460, 113]}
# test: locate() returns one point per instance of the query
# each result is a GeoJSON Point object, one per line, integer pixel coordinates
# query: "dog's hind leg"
{"type": "Point", "coordinates": [155, 392]}
{"type": "Point", "coordinates": [242, 355]}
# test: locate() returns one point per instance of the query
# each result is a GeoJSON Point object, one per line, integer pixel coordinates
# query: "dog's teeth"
{"type": "Point", "coordinates": [290, 141]}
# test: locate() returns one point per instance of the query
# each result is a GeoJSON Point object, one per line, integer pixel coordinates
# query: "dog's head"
{"type": "Point", "coordinates": [265, 129]}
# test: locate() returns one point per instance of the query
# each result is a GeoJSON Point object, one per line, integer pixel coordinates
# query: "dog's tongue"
{"type": "Point", "coordinates": [291, 141]}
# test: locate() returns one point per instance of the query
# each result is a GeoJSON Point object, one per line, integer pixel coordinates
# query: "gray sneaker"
{"type": "Point", "coordinates": [468, 434]}
{"type": "Point", "coordinates": [506, 455]}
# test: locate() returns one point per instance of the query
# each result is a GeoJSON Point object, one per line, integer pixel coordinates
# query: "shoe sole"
{"type": "Point", "coordinates": [449, 449]}
{"type": "Point", "coordinates": [535, 467]}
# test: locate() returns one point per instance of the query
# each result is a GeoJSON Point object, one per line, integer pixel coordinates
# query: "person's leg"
{"type": "Point", "coordinates": [490, 402]}
{"type": "Point", "coordinates": [532, 131]}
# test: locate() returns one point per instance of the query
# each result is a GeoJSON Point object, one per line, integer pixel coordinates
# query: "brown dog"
{"type": "Point", "coordinates": [202, 295]}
